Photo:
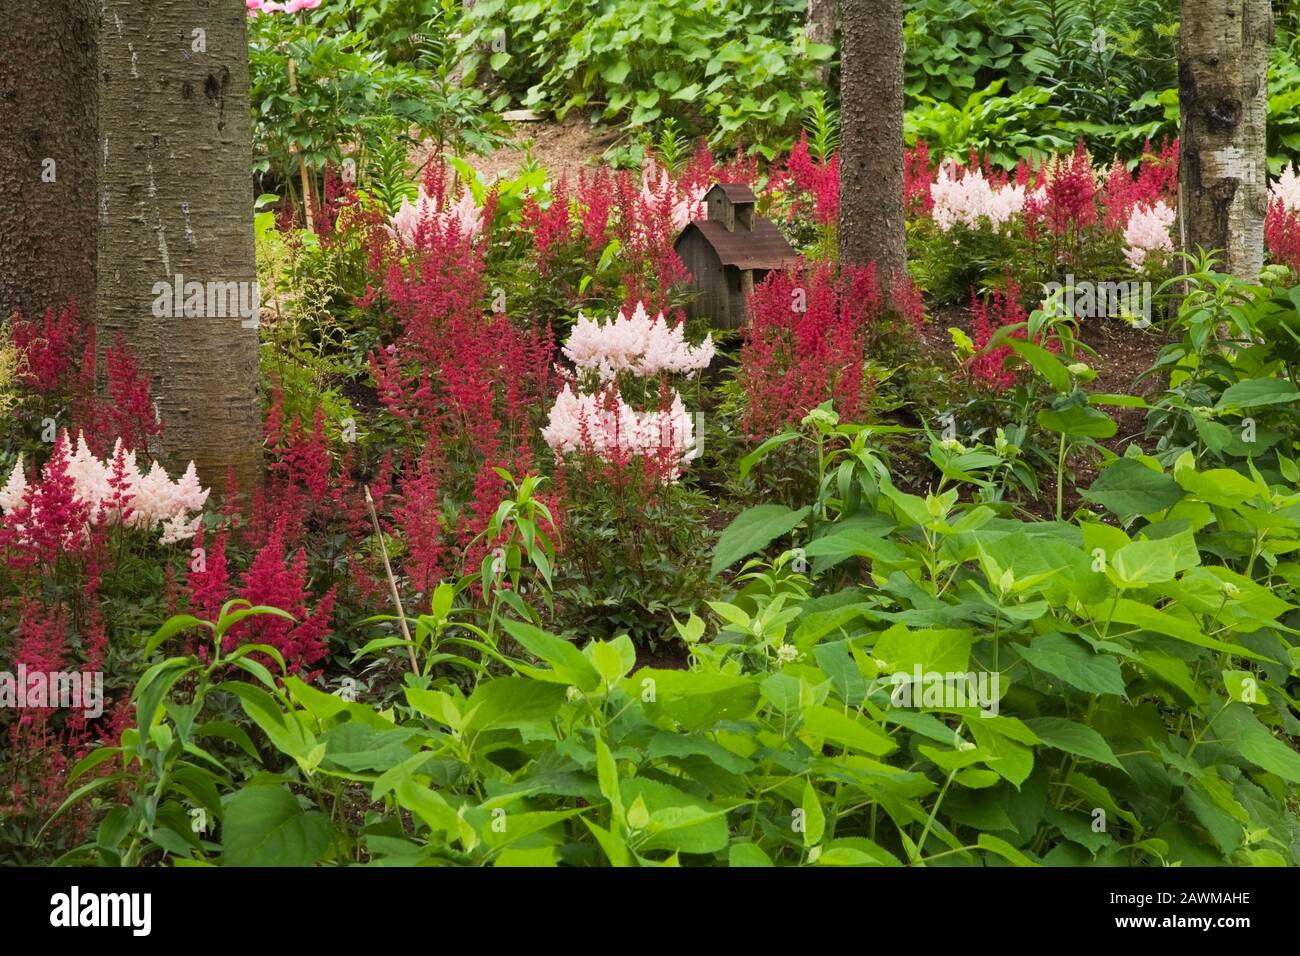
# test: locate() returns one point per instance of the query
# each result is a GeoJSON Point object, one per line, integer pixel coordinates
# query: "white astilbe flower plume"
{"type": "Point", "coordinates": [971, 198]}
{"type": "Point", "coordinates": [1287, 189]}
{"type": "Point", "coordinates": [641, 345]}
{"type": "Point", "coordinates": [1147, 232]}
{"type": "Point", "coordinates": [116, 485]}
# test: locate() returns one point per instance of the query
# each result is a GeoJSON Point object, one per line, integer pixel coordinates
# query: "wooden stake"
{"type": "Point", "coordinates": [307, 197]}
{"type": "Point", "coordinates": [392, 582]}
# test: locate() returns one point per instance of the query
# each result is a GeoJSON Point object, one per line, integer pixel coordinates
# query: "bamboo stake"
{"type": "Point", "coordinates": [392, 582]}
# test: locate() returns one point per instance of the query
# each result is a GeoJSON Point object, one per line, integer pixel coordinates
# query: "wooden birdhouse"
{"type": "Point", "coordinates": [728, 253]}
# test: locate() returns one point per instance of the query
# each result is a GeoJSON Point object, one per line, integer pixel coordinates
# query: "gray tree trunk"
{"type": "Point", "coordinates": [1223, 98]}
{"type": "Point", "coordinates": [176, 199]}
{"type": "Point", "coordinates": [821, 27]}
{"type": "Point", "coordinates": [871, 157]}
{"type": "Point", "coordinates": [47, 156]}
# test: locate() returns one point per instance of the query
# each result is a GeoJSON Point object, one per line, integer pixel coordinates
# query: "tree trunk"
{"type": "Point", "coordinates": [176, 206]}
{"type": "Point", "coordinates": [1223, 98]}
{"type": "Point", "coordinates": [821, 27]}
{"type": "Point", "coordinates": [871, 158]}
{"type": "Point", "coordinates": [47, 156]}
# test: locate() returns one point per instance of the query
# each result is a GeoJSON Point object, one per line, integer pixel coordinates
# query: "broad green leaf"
{"type": "Point", "coordinates": [814, 818]}
{"type": "Point", "coordinates": [1077, 421]}
{"type": "Point", "coordinates": [936, 650]}
{"type": "Point", "coordinates": [570, 665]}
{"type": "Point", "coordinates": [833, 725]}
{"type": "Point", "coordinates": [679, 821]}
{"type": "Point", "coordinates": [744, 853]}
{"type": "Point", "coordinates": [510, 702]}
{"type": "Point", "coordinates": [1240, 729]}
{"type": "Point", "coordinates": [855, 851]}
{"type": "Point", "coordinates": [1128, 487]}
{"type": "Point", "coordinates": [695, 700]}
{"type": "Point", "coordinates": [1255, 392]}
{"type": "Point", "coordinates": [1002, 848]}
{"type": "Point", "coordinates": [1073, 738]}
{"type": "Point", "coordinates": [753, 530]}
{"type": "Point", "coordinates": [266, 826]}
{"type": "Point", "coordinates": [1074, 663]}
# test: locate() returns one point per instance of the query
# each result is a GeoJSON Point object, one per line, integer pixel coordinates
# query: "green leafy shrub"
{"type": "Point", "coordinates": [736, 70]}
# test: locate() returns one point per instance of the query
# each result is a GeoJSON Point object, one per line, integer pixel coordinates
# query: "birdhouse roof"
{"type": "Point", "coordinates": [736, 192]}
{"type": "Point", "coordinates": [763, 247]}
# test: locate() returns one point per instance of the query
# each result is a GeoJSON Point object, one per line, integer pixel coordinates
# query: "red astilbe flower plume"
{"type": "Point", "coordinates": [1155, 178]}
{"type": "Point", "coordinates": [129, 411]}
{"type": "Point", "coordinates": [818, 181]}
{"type": "Point", "coordinates": [1158, 172]}
{"type": "Point", "coordinates": [595, 199]}
{"type": "Point", "coordinates": [208, 579]}
{"type": "Point", "coordinates": [58, 357]}
{"type": "Point", "coordinates": [276, 581]}
{"type": "Point", "coordinates": [52, 521]}
{"type": "Point", "coordinates": [989, 370]}
{"type": "Point", "coordinates": [907, 300]}
{"type": "Point", "coordinates": [1071, 193]}
{"type": "Point", "coordinates": [806, 343]}
{"type": "Point", "coordinates": [917, 179]}
{"type": "Point", "coordinates": [1282, 234]}
{"type": "Point", "coordinates": [647, 233]}
{"type": "Point", "coordinates": [418, 515]}
{"type": "Point", "coordinates": [549, 227]}
{"type": "Point", "coordinates": [41, 646]}
{"type": "Point", "coordinates": [701, 171]}
{"type": "Point", "coordinates": [48, 349]}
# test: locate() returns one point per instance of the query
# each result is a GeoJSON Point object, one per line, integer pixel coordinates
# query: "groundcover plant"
{"type": "Point", "coordinates": [695, 433]}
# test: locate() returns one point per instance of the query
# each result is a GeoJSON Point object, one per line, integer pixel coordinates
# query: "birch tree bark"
{"type": "Point", "coordinates": [176, 208]}
{"type": "Point", "coordinates": [47, 156]}
{"type": "Point", "coordinates": [1223, 98]}
{"type": "Point", "coordinates": [871, 157]}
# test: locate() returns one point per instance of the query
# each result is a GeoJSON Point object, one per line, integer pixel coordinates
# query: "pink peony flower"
{"type": "Point", "coordinates": [271, 6]}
